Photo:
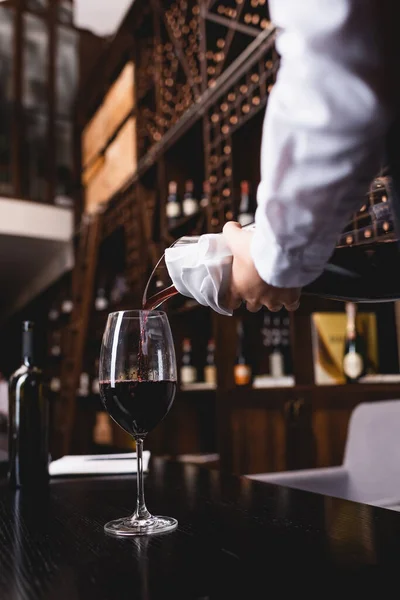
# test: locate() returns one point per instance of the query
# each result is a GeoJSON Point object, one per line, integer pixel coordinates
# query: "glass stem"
{"type": "Point", "coordinates": [141, 511]}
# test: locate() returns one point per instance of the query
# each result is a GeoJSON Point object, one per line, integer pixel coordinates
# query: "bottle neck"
{"type": "Point", "coordinates": [27, 348]}
{"type": "Point", "coordinates": [240, 355]}
{"type": "Point", "coordinates": [351, 320]}
{"type": "Point", "coordinates": [244, 203]}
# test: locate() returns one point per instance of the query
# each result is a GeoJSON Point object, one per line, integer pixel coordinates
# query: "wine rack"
{"type": "Point", "coordinates": [242, 101]}
{"type": "Point", "coordinates": [125, 214]}
{"type": "Point", "coordinates": [145, 68]}
{"type": "Point", "coordinates": [193, 45]}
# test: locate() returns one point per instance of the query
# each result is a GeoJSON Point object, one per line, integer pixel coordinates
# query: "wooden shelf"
{"type": "Point", "coordinates": [200, 386]}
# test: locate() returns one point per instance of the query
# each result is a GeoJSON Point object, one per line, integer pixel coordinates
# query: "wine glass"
{"type": "Point", "coordinates": [137, 386]}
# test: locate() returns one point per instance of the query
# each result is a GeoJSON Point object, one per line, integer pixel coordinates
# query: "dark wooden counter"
{"type": "Point", "coordinates": [235, 537]}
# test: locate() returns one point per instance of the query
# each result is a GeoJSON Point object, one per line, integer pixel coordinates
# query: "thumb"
{"type": "Point", "coordinates": [232, 232]}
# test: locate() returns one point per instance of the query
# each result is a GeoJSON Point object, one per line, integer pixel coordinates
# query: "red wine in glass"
{"type": "Point", "coordinates": [138, 406]}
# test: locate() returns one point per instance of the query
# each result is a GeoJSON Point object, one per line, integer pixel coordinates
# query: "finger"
{"type": "Point", "coordinates": [253, 305]}
{"type": "Point", "coordinates": [272, 304]}
{"type": "Point", "coordinates": [231, 232]}
{"type": "Point", "coordinates": [290, 296]}
{"type": "Point", "coordinates": [235, 302]}
{"type": "Point", "coordinates": [292, 307]}
{"type": "Point", "coordinates": [274, 307]}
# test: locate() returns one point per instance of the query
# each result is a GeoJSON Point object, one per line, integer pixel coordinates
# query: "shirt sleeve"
{"type": "Point", "coordinates": [323, 135]}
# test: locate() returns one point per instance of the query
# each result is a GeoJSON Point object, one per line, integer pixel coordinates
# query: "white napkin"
{"type": "Point", "coordinates": [98, 464]}
{"type": "Point", "coordinates": [202, 271]}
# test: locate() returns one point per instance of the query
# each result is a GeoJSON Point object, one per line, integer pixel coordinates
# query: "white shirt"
{"type": "Point", "coordinates": [323, 135]}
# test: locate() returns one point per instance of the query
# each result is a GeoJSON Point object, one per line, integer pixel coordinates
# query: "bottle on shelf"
{"type": "Point", "coordinates": [190, 204]}
{"type": "Point", "coordinates": [67, 306]}
{"type": "Point", "coordinates": [286, 350]}
{"type": "Point", "coordinates": [173, 208]}
{"type": "Point", "coordinates": [354, 358]}
{"type": "Point", "coordinates": [101, 300]}
{"type": "Point", "coordinates": [266, 342]}
{"type": "Point", "coordinates": [54, 313]}
{"type": "Point", "coordinates": [28, 420]}
{"type": "Point", "coordinates": [210, 370]}
{"type": "Point", "coordinates": [83, 389]}
{"type": "Point", "coordinates": [119, 289]}
{"type": "Point", "coordinates": [95, 380]}
{"type": "Point", "coordinates": [55, 385]}
{"type": "Point", "coordinates": [188, 370]}
{"type": "Point", "coordinates": [102, 431]}
{"type": "Point", "coordinates": [246, 211]}
{"type": "Point", "coordinates": [243, 374]}
{"type": "Point", "coordinates": [55, 348]}
{"type": "Point", "coordinates": [205, 197]}
{"type": "Point", "coordinates": [276, 359]}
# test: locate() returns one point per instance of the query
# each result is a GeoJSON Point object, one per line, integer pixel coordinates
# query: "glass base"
{"type": "Point", "coordinates": [130, 526]}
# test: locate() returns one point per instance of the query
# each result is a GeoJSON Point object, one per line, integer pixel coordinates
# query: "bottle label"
{"type": "Point", "coordinates": [190, 207]}
{"type": "Point", "coordinates": [101, 303]}
{"type": "Point", "coordinates": [188, 374]}
{"type": "Point", "coordinates": [102, 432]}
{"type": "Point", "coordinates": [55, 384]}
{"type": "Point", "coordinates": [210, 374]}
{"type": "Point", "coordinates": [67, 306]}
{"type": "Point", "coordinates": [95, 386]}
{"type": "Point", "coordinates": [242, 374]}
{"type": "Point", "coordinates": [173, 210]}
{"type": "Point", "coordinates": [83, 385]}
{"type": "Point", "coordinates": [276, 364]}
{"type": "Point", "coordinates": [353, 365]}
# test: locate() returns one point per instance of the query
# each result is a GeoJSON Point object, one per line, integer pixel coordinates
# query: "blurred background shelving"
{"type": "Point", "coordinates": [101, 130]}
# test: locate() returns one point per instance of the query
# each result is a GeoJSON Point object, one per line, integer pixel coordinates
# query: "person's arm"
{"type": "Point", "coordinates": [323, 135]}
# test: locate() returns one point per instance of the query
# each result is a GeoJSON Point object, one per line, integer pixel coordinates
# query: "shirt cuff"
{"type": "Point", "coordinates": [288, 268]}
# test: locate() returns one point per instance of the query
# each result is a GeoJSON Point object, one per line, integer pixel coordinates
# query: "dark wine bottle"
{"type": "Point", "coordinates": [101, 300]}
{"type": "Point", "coordinates": [28, 420]}
{"type": "Point", "coordinates": [354, 358]}
{"type": "Point", "coordinates": [173, 208]}
{"type": "Point", "coordinates": [242, 370]}
{"type": "Point", "coordinates": [190, 205]}
{"type": "Point", "coordinates": [205, 197]}
{"type": "Point", "coordinates": [188, 369]}
{"type": "Point", "coordinates": [67, 305]}
{"type": "Point", "coordinates": [276, 358]}
{"type": "Point", "coordinates": [54, 313]}
{"type": "Point", "coordinates": [210, 370]}
{"type": "Point", "coordinates": [246, 212]}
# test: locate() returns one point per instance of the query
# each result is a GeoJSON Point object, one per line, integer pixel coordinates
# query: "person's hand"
{"type": "Point", "coordinates": [246, 284]}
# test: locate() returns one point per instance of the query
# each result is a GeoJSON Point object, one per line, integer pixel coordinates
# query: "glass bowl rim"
{"type": "Point", "coordinates": [137, 313]}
